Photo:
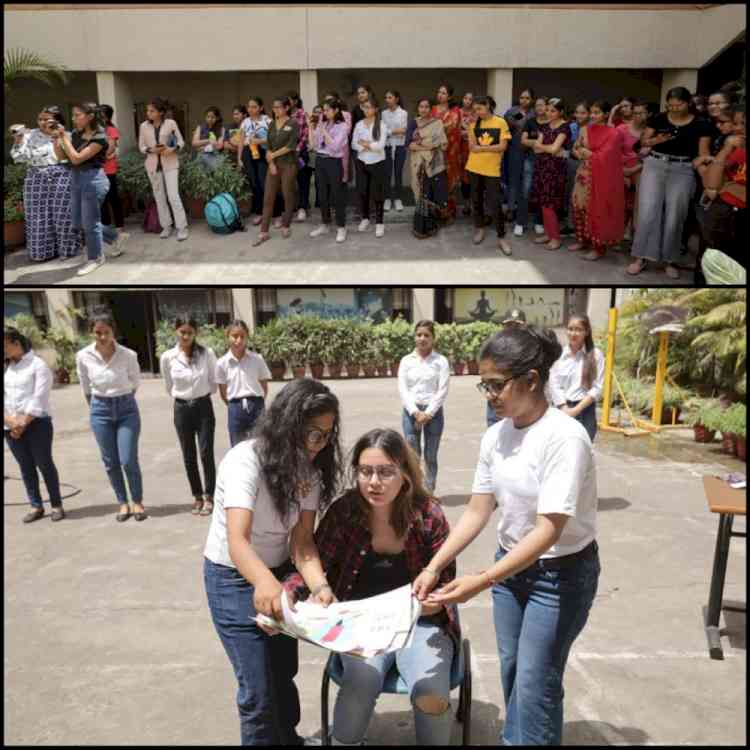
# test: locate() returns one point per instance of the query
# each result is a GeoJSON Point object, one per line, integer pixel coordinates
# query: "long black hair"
{"type": "Point", "coordinates": [282, 434]}
{"type": "Point", "coordinates": [92, 108]}
{"type": "Point", "coordinates": [376, 125]}
{"type": "Point", "coordinates": [107, 112]}
{"type": "Point", "coordinates": [588, 374]}
{"type": "Point", "coordinates": [218, 126]}
{"type": "Point", "coordinates": [16, 337]}
{"type": "Point", "coordinates": [56, 112]}
{"type": "Point", "coordinates": [188, 320]}
{"type": "Point", "coordinates": [520, 349]}
{"type": "Point", "coordinates": [104, 316]}
{"type": "Point", "coordinates": [488, 102]}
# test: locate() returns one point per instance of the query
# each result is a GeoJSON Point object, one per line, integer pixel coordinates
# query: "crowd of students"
{"type": "Point", "coordinates": [603, 173]}
{"type": "Point", "coordinates": [386, 527]}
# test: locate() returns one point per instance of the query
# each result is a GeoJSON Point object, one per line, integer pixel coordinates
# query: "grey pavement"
{"type": "Point", "coordinates": [108, 638]}
{"type": "Point", "coordinates": [398, 258]}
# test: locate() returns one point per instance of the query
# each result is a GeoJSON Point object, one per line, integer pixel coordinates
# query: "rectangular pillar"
{"type": "Point", "coordinates": [114, 89]}
{"type": "Point", "coordinates": [308, 88]}
{"type": "Point", "coordinates": [687, 77]}
{"type": "Point", "coordinates": [58, 300]}
{"type": "Point", "coordinates": [243, 301]}
{"type": "Point", "coordinates": [500, 88]}
{"type": "Point", "coordinates": [423, 304]}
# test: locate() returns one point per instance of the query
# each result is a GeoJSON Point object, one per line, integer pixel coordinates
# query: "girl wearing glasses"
{"type": "Point", "coordinates": [268, 491]}
{"type": "Point", "coordinates": [378, 537]}
{"type": "Point", "coordinates": [577, 378]}
{"type": "Point", "coordinates": [242, 377]}
{"type": "Point", "coordinates": [538, 466]}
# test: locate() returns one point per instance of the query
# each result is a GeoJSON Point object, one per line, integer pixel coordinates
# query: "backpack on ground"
{"type": "Point", "coordinates": [222, 214]}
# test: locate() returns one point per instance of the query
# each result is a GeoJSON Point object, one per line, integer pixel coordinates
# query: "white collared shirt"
{"type": "Point", "coordinates": [188, 379]}
{"type": "Point", "coordinates": [242, 377]}
{"type": "Point", "coordinates": [395, 120]}
{"type": "Point", "coordinates": [547, 467]}
{"type": "Point", "coordinates": [565, 377]}
{"type": "Point", "coordinates": [240, 484]}
{"type": "Point", "coordinates": [118, 377]}
{"type": "Point", "coordinates": [423, 382]}
{"type": "Point", "coordinates": [27, 385]}
{"type": "Point", "coordinates": [376, 152]}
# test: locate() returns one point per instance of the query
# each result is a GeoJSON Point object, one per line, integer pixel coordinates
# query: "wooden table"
{"type": "Point", "coordinates": [728, 503]}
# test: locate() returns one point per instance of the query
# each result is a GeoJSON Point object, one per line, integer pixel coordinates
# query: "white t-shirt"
{"type": "Point", "coordinates": [242, 377]}
{"type": "Point", "coordinates": [547, 467]}
{"type": "Point", "coordinates": [240, 484]}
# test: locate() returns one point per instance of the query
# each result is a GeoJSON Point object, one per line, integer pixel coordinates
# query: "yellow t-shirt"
{"type": "Point", "coordinates": [490, 133]}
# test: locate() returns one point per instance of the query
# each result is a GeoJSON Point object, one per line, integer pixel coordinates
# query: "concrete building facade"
{"type": "Point", "coordinates": [214, 54]}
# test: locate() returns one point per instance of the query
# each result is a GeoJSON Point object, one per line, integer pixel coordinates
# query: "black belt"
{"type": "Point", "coordinates": [566, 561]}
{"type": "Point", "coordinates": [242, 398]}
{"type": "Point", "coordinates": [191, 401]}
{"type": "Point", "coordinates": [669, 157]}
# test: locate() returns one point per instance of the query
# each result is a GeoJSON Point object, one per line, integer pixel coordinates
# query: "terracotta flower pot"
{"type": "Point", "coordinates": [741, 447]}
{"type": "Point", "coordinates": [370, 371]}
{"type": "Point", "coordinates": [728, 443]}
{"type": "Point", "coordinates": [473, 366]}
{"type": "Point", "coordinates": [334, 370]}
{"type": "Point", "coordinates": [317, 369]}
{"type": "Point", "coordinates": [458, 368]}
{"type": "Point", "coordinates": [394, 369]}
{"type": "Point", "coordinates": [666, 415]}
{"type": "Point", "coordinates": [352, 369]}
{"type": "Point", "coordinates": [196, 207]}
{"type": "Point", "coordinates": [62, 376]}
{"type": "Point", "coordinates": [702, 434]}
{"type": "Point", "coordinates": [278, 370]}
{"type": "Point", "coordinates": [244, 207]}
{"type": "Point", "coordinates": [298, 371]}
{"type": "Point", "coordinates": [14, 233]}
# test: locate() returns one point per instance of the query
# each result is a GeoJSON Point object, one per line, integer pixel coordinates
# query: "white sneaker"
{"type": "Point", "coordinates": [379, 230]}
{"type": "Point", "coordinates": [364, 225]}
{"type": "Point", "coordinates": [90, 266]}
{"type": "Point", "coordinates": [71, 261]}
{"type": "Point", "coordinates": [301, 214]}
{"type": "Point", "coordinates": [387, 205]}
{"type": "Point", "coordinates": [398, 205]}
{"type": "Point", "coordinates": [518, 230]}
{"type": "Point", "coordinates": [119, 247]}
{"type": "Point", "coordinates": [341, 234]}
{"type": "Point", "coordinates": [319, 230]}
{"type": "Point", "coordinates": [539, 229]}
{"type": "Point", "coordinates": [165, 233]}
{"type": "Point", "coordinates": [182, 234]}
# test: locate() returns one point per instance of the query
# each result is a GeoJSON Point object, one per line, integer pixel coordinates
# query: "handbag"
{"type": "Point", "coordinates": [151, 219]}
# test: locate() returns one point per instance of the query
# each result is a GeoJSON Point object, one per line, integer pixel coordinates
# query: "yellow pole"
{"type": "Point", "coordinates": [609, 366]}
{"type": "Point", "coordinates": [661, 374]}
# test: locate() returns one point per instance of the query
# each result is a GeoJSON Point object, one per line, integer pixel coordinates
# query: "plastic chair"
{"type": "Point", "coordinates": [394, 684]}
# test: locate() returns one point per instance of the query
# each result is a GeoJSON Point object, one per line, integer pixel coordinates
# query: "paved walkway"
{"type": "Point", "coordinates": [398, 258]}
{"type": "Point", "coordinates": [108, 638]}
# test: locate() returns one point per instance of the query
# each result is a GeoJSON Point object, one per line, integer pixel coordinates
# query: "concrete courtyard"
{"type": "Point", "coordinates": [206, 258]}
{"type": "Point", "coordinates": [108, 638]}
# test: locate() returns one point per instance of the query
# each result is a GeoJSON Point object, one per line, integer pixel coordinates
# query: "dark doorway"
{"type": "Point", "coordinates": [134, 319]}
{"type": "Point", "coordinates": [727, 66]}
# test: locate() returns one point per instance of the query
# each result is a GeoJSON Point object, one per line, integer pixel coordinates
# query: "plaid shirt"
{"type": "Point", "coordinates": [343, 547]}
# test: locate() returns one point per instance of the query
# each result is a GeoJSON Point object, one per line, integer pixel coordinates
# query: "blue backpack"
{"type": "Point", "coordinates": [222, 214]}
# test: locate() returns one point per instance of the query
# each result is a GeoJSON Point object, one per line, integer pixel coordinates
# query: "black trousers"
{"type": "Point", "coordinates": [723, 227]}
{"type": "Point", "coordinates": [195, 419]}
{"type": "Point", "coordinates": [331, 189]}
{"type": "Point", "coordinates": [371, 180]}
{"type": "Point", "coordinates": [481, 184]}
{"type": "Point", "coordinates": [112, 199]}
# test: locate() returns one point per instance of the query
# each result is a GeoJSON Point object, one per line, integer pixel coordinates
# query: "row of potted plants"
{"type": "Point", "coordinates": [14, 225]}
{"type": "Point", "coordinates": [710, 417]}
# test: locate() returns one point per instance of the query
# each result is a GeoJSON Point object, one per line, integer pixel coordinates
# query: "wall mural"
{"type": "Point", "coordinates": [542, 306]}
{"type": "Point", "coordinates": [375, 304]}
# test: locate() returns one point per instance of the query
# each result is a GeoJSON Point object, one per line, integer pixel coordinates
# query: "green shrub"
{"type": "Point", "coordinates": [395, 339]}
{"type": "Point", "coordinates": [131, 176]}
{"type": "Point", "coordinates": [209, 335]}
{"type": "Point", "coordinates": [13, 209]}
{"type": "Point", "coordinates": [734, 420]}
{"type": "Point", "coordinates": [27, 326]}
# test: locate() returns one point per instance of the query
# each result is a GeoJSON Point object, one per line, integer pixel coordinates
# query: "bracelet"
{"type": "Point", "coordinates": [319, 588]}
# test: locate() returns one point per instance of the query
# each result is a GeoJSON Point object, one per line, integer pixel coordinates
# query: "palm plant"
{"type": "Point", "coordinates": [23, 63]}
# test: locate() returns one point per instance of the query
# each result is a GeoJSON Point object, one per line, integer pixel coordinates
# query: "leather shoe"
{"type": "Point", "coordinates": [58, 514]}
{"type": "Point", "coordinates": [123, 516]}
{"type": "Point", "coordinates": [35, 515]}
{"type": "Point", "coordinates": [140, 516]}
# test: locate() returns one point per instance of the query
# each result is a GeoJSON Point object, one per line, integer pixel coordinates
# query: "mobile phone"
{"type": "Point", "coordinates": [518, 116]}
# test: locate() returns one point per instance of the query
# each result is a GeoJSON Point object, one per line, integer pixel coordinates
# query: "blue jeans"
{"type": "Point", "coordinates": [265, 666]}
{"type": "Point", "coordinates": [491, 416]}
{"type": "Point", "coordinates": [587, 418]}
{"type": "Point", "coordinates": [425, 668]}
{"type": "Point", "coordinates": [116, 423]}
{"type": "Point", "coordinates": [242, 415]}
{"type": "Point", "coordinates": [433, 431]}
{"type": "Point", "coordinates": [33, 450]}
{"type": "Point", "coordinates": [522, 213]}
{"type": "Point", "coordinates": [395, 158]}
{"type": "Point", "coordinates": [538, 613]}
{"type": "Point", "coordinates": [514, 171]}
{"type": "Point", "coordinates": [88, 189]}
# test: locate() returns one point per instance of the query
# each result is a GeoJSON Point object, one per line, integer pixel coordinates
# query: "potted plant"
{"type": "Point", "coordinates": [672, 399]}
{"type": "Point", "coordinates": [738, 424]}
{"type": "Point", "coordinates": [448, 343]}
{"type": "Point", "coordinates": [133, 182]}
{"type": "Point", "coordinates": [397, 340]}
{"type": "Point", "coordinates": [704, 419]}
{"type": "Point", "coordinates": [65, 347]}
{"type": "Point", "coordinates": [195, 185]}
{"type": "Point", "coordinates": [475, 334]}
{"type": "Point", "coordinates": [273, 344]}
{"type": "Point", "coordinates": [356, 339]}
{"type": "Point", "coordinates": [370, 355]}
{"type": "Point", "coordinates": [731, 423]}
{"type": "Point", "coordinates": [14, 226]}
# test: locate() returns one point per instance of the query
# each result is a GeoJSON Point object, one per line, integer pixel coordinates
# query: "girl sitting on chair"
{"type": "Point", "coordinates": [377, 537]}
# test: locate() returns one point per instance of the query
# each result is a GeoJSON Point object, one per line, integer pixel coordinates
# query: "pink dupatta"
{"type": "Point", "coordinates": [606, 209]}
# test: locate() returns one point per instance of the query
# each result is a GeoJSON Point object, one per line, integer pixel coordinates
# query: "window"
{"type": "Point", "coordinates": [265, 305]}
{"type": "Point", "coordinates": [27, 303]}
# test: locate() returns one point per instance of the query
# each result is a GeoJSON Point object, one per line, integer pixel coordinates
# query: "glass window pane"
{"type": "Point", "coordinates": [194, 303]}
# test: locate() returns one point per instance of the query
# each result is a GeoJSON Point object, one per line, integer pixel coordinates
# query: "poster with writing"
{"type": "Point", "coordinates": [542, 306]}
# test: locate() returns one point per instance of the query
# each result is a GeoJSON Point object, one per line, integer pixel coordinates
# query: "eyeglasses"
{"type": "Point", "coordinates": [316, 436]}
{"type": "Point", "coordinates": [385, 473]}
{"type": "Point", "coordinates": [493, 388]}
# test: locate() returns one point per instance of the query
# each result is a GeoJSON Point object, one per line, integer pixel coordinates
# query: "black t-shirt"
{"type": "Point", "coordinates": [79, 143]}
{"type": "Point", "coordinates": [686, 137]}
{"type": "Point", "coordinates": [531, 128]}
{"type": "Point", "coordinates": [381, 573]}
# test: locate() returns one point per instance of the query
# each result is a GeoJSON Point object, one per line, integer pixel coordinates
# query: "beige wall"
{"type": "Point", "coordinates": [321, 37]}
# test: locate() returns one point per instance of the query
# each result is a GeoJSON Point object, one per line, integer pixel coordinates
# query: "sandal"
{"type": "Point", "coordinates": [197, 505]}
{"type": "Point", "coordinates": [504, 248]}
{"type": "Point", "coordinates": [543, 240]}
{"type": "Point", "coordinates": [286, 232]}
{"type": "Point", "coordinates": [208, 507]}
{"type": "Point", "coordinates": [551, 246]}
{"type": "Point", "coordinates": [636, 267]}
{"type": "Point", "coordinates": [260, 239]}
